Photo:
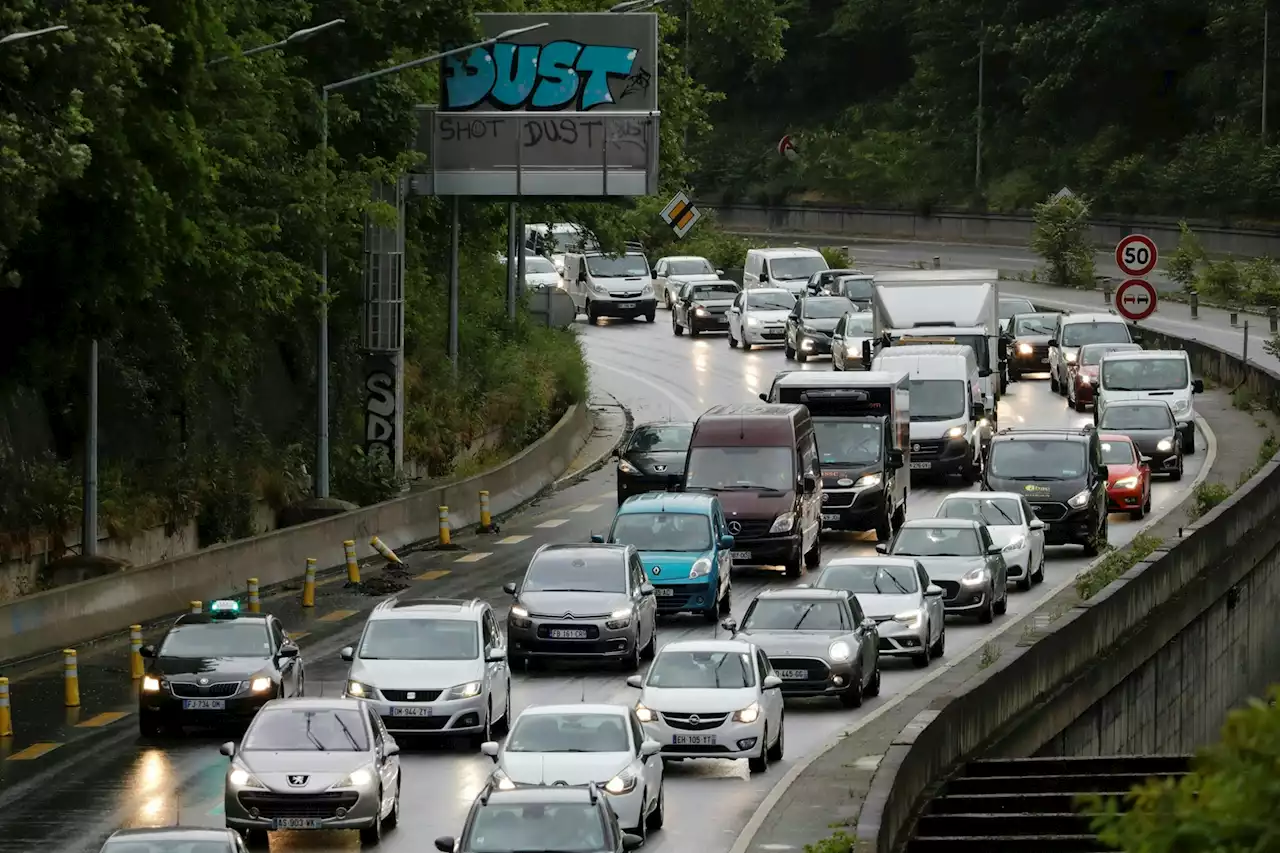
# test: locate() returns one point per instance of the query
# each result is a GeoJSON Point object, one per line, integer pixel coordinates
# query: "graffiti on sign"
{"type": "Point", "coordinates": [562, 75]}
{"type": "Point", "coordinates": [380, 414]}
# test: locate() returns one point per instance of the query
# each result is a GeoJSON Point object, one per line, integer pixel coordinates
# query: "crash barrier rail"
{"type": "Point", "coordinates": [1031, 695]}
{"type": "Point", "coordinates": [947, 226]}
{"type": "Point", "coordinates": [69, 615]}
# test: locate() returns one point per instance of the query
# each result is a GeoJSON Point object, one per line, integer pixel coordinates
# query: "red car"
{"type": "Point", "coordinates": [1128, 476]}
{"type": "Point", "coordinates": [1084, 370]}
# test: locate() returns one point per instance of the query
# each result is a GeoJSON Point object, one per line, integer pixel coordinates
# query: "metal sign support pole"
{"type": "Point", "coordinates": [515, 254]}
{"type": "Point", "coordinates": [89, 521]}
{"type": "Point", "coordinates": [453, 288]}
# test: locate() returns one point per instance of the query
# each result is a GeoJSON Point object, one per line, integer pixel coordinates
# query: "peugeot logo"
{"type": "Point", "coordinates": [694, 719]}
{"type": "Point", "coordinates": [657, 570]}
{"type": "Point", "coordinates": [298, 781]}
{"type": "Point", "coordinates": [735, 528]}
{"type": "Point", "coordinates": [659, 468]}
{"type": "Point", "coordinates": [204, 681]}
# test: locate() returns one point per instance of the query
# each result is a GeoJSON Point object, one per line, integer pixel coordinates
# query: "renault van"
{"type": "Point", "coordinates": [786, 268]}
{"type": "Point", "coordinates": [1155, 375]}
{"type": "Point", "coordinates": [610, 285]}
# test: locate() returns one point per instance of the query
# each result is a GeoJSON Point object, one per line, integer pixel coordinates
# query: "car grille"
{"type": "Point", "coordinates": [593, 631]}
{"type": "Point", "coordinates": [193, 691]}
{"type": "Point", "coordinates": [773, 332]}
{"type": "Point", "coordinates": [815, 670]}
{"type": "Point", "coordinates": [323, 804]}
{"type": "Point", "coordinates": [950, 589]}
{"type": "Point", "coordinates": [630, 294]}
{"type": "Point", "coordinates": [418, 695]}
{"type": "Point", "coordinates": [1050, 511]}
{"type": "Point", "coordinates": [751, 528]}
{"type": "Point", "coordinates": [837, 500]}
{"type": "Point", "coordinates": [703, 749]}
{"type": "Point", "coordinates": [926, 449]}
{"type": "Point", "coordinates": [420, 724]}
{"type": "Point", "coordinates": [684, 721]}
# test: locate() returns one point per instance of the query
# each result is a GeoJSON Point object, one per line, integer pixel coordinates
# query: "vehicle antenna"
{"type": "Point", "coordinates": [583, 697]}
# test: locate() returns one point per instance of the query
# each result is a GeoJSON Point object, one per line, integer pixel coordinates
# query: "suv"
{"type": "Point", "coordinates": [1061, 474]}
{"type": "Point", "coordinates": [553, 817]}
{"type": "Point", "coordinates": [433, 666]}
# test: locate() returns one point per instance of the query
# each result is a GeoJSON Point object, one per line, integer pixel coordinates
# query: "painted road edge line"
{"type": "Point", "coordinates": [749, 832]}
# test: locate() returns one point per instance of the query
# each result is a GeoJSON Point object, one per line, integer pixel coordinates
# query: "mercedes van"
{"type": "Point", "coordinates": [787, 268]}
{"type": "Point", "coordinates": [1150, 374]}
{"type": "Point", "coordinates": [610, 285]}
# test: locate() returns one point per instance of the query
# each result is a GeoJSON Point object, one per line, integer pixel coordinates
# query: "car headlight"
{"type": "Point", "coordinates": [700, 312]}
{"type": "Point", "coordinates": [752, 321]}
{"type": "Point", "coordinates": [1181, 405]}
{"type": "Point", "coordinates": [701, 567]}
{"type": "Point", "coordinates": [242, 778]}
{"type": "Point", "coordinates": [619, 619]}
{"type": "Point", "coordinates": [866, 481]}
{"type": "Point", "coordinates": [261, 685]}
{"type": "Point", "coordinates": [1126, 483]}
{"type": "Point", "coordinates": [1018, 543]}
{"type": "Point", "coordinates": [359, 690]}
{"type": "Point", "coordinates": [840, 651]}
{"type": "Point", "coordinates": [357, 778]}
{"type": "Point", "coordinates": [783, 523]}
{"type": "Point", "coordinates": [1079, 500]}
{"type": "Point", "coordinates": [1165, 445]}
{"type": "Point", "coordinates": [1070, 357]}
{"type": "Point", "coordinates": [625, 467]}
{"type": "Point", "coordinates": [623, 783]}
{"type": "Point", "coordinates": [974, 577]}
{"type": "Point", "coordinates": [503, 781]}
{"type": "Point", "coordinates": [647, 290]}
{"type": "Point", "coordinates": [911, 618]}
{"type": "Point", "coordinates": [645, 715]}
{"type": "Point", "coordinates": [464, 691]}
{"type": "Point", "coordinates": [749, 714]}
{"type": "Point", "coordinates": [1025, 349]}
{"type": "Point", "coordinates": [956, 432]}
{"type": "Point", "coordinates": [150, 684]}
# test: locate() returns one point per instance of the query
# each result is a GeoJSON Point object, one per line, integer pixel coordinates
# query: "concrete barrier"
{"type": "Point", "coordinates": [73, 614]}
{"type": "Point", "coordinates": [1150, 664]}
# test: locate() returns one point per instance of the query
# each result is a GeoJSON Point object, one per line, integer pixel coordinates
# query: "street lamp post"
{"type": "Point", "coordinates": [322, 341]}
{"type": "Point", "coordinates": [292, 38]}
{"type": "Point", "coordinates": [29, 34]}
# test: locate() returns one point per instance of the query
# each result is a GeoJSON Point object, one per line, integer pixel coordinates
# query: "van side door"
{"type": "Point", "coordinates": [810, 504]}
{"type": "Point", "coordinates": [751, 271]}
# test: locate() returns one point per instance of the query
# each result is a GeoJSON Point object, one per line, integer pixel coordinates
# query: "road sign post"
{"type": "Point", "coordinates": [1136, 255]}
{"type": "Point", "coordinates": [1136, 300]}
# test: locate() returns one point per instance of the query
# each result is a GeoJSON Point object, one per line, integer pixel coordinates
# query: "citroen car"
{"type": "Point", "coordinates": [172, 839]}
{"type": "Point", "coordinates": [701, 306]}
{"type": "Point", "coordinates": [1029, 336]}
{"type": "Point", "coordinates": [1013, 526]}
{"type": "Point", "coordinates": [1083, 372]}
{"type": "Point", "coordinates": [433, 666]}
{"type": "Point", "coordinates": [758, 317]}
{"type": "Point", "coordinates": [1152, 428]}
{"type": "Point", "coordinates": [1128, 476]}
{"type": "Point", "coordinates": [896, 592]}
{"type": "Point", "coordinates": [810, 324]}
{"type": "Point", "coordinates": [574, 819]}
{"type": "Point", "coordinates": [313, 764]}
{"type": "Point", "coordinates": [847, 337]}
{"type": "Point", "coordinates": [216, 667]}
{"type": "Point", "coordinates": [652, 458]}
{"type": "Point", "coordinates": [583, 602]}
{"type": "Point", "coordinates": [961, 557]}
{"type": "Point", "coordinates": [818, 641]}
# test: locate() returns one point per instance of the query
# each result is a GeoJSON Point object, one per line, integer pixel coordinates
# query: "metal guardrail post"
{"type": "Point", "coordinates": [1234, 319]}
{"type": "Point", "coordinates": [1273, 319]}
{"type": "Point", "coordinates": [1244, 349]}
{"type": "Point", "coordinates": [1195, 306]}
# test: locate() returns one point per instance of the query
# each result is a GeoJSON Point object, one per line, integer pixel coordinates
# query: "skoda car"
{"type": "Point", "coordinates": [1128, 476]}
{"type": "Point", "coordinates": [313, 764]}
{"type": "Point", "coordinates": [216, 667]}
{"type": "Point", "coordinates": [701, 306]}
{"type": "Point", "coordinates": [896, 592]}
{"type": "Point", "coordinates": [1152, 428]}
{"type": "Point", "coordinates": [686, 549]}
{"type": "Point", "coordinates": [549, 818]}
{"type": "Point", "coordinates": [433, 666]}
{"type": "Point", "coordinates": [1013, 526]}
{"type": "Point", "coordinates": [961, 557]}
{"type": "Point", "coordinates": [810, 325]}
{"type": "Point", "coordinates": [652, 458]}
{"type": "Point", "coordinates": [1029, 335]}
{"type": "Point", "coordinates": [818, 641]}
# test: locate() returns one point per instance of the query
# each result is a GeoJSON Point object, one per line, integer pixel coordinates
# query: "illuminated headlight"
{"type": "Point", "coordinates": [911, 618]}
{"type": "Point", "coordinates": [644, 715]}
{"type": "Point", "coordinates": [1165, 445]}
{"type": "Point", "coordinates": [1126, 483]}
{"type": "Point", "coordinates": [806, 344]}
{"type": "Point", "coordinates": [1025, 349]}
{"type": "Point", "coordinates": [625, 467]}
{"type": "Point", "coordinates": [866, 481]}
{"type": "Point", "coordinates": [1018, 543]}
{"type": "Point", "coordinates": [700, 312]}
{"type": "Point", "coordinates": [840, 652]}
{"type": "Point", "coordinates": [749, 714]}
{"type": "Point", "coordinates": [1181, 406]}
{"type": "Point", "coordinates": [503, 781]}
{"type": "Point", "coordinates": [623, 783]}
{"type": "Point", "coordinates": [463, 691]}
{"type": "Point", "coordinates": [701, 568]}
{"type": "Point", "coordinates": [752, 321]}
{"type": "Point", "coordinates": [956, 432]}
{"type": "Point", "coordinates": [260, 685]}
{"type": "Point", "coordinates": [242, 778]}
{"type": "Point", "coordinates": [150, 685]}
{"type": "Point", "coordinates": [518, 616]}
{"type": "Point", "coordinates": [783, 523]}
{"type": "Point", "coordinates": [619, 619]}
{"type": "Point", "coordinates": [1079, 500]}
{"type": "Point", "coordinates": [983, 423]}
{"type": "Point", "coordinates": [357, 778]}
{"type": "Point", "coordinates": [358, 690]}
{"type": "Point", "coordinates": [975, 577]}
{"type": "Point", "coordinates": [1070, 357]}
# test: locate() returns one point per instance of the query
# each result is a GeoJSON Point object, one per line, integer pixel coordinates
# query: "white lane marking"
{"type": "Point", "coordinates": [555, 522]}
{"type": "Point", "coordinates": [475, 557]}
{"type": "Point", "coordinates": [586, 508]}
{"type": "Point", "coordinates": [512, 540]}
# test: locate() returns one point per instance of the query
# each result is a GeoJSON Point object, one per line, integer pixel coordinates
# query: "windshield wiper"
{"type": "Point", "coordinates": [1037, 479]}
{"type": "Point", "coordinates": [312, 737]}
{"type": "Point", "coordinates": [803, 616]}
{"type": "Point", "coordinates": [563, 589]}
{"type": "Point", "coordinates": [739, 487]}
{"type": "Point", "coordinates": [1003, 513]}
{"type": "Point", "coordinates": [346, 731]}
{"type": "Point", "coordinates": [896, 583]}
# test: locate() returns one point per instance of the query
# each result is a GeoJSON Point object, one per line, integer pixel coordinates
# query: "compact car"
{"type": "Point", "coordinates": [547, 818]}
{"type": "Point", "coordinates": [652, 458]}
{"type": "Point", "coordinates": [1128, 476]}
{"type": "Point", "coordinates": [1013, 526]}
{"type": "Point", "coordinates": [896, 592]}
{"type": "Point", "coordinates": [961, 557]}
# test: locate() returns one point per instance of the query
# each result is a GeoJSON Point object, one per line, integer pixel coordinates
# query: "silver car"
{"type": "Point", "coordinates": [189, 839]}
{"type": "Point", "coordinates": [818, 641]}
{"type": "Point", "coordinates": [897, 593]}
{"type": "Point", "coordinates": [583, 601]}
{"type": "Point", "coordinates": [313, 764]}
{"type": "Point", "coordinates": [962, 558]}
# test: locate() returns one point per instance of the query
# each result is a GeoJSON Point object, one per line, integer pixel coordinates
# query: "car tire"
{"type": "Point", "coordinates": [793, 565]}
{"type": "Point", "coordinates": [801, 357]}
{"type": "Point", "coordinates": [1137, 514]}
{"type": "Point", "coordinates": [733, 342]}
{"type": "Point", "coordinates": [392, 820]}
{"type": "Point", "coordinates": [694, 331]}
{"type": "Point", "coordinates": [1053, 381]}
{"type": "Point", "coordinates": [658, 816]}
{"type": "Point", "coordinates": [1014, 375]}
{"type": "Point", "coordinates": [813, 559]}
{"type": "Point", "coordinates": [711, 614]}
{"type": "Point", "coordinates": [1038, 575]}
{"type": "Point", "coordinates": [873, 686]}
{"type": "Point", "coordinates": [760, 763]}
{"type": "Point", "coordinates": [631, 662]}
{"type": "Point", "coordinates": [486, 731]}
{"type": "Point", "coordinates": [504, 725]}
{"type": "Point", "coordinates": [371, 836]}
{"type": "Point", "coordinates": [787, 352]}
{"type": "Point", "coordinates": [1001, 607]}
{"type": "Point", "coordinates": [1024, 582]}
{"type": "Point", "coordinates": [651, 648]}
{"type": "Point", "coordinates": [939, 647]}
{"type": "Point", "coordinates": [150, 725]}
{"type": "Point", "coordinates": [676, 328]}
{"type": "Point", "coordinates": [651, 316]}
{"type": "Point", "coordinates": [256, 839]}
{"type": "Point", "coordinates": [1147, 506]}
{"type": "Point", "coordinates": [780, 745]}
{"type": "Point", "coordinates": [726, 600]}
{"type": "Point", "coordinates": [884, 528]}
{"type": "Point", "coordinates": [852, 696]}
{"type": "Point", "coordinates": [592, 318]}
{"type": "Point", "coordinates": [641, 828]}
{"type": "Point", "coordinates": [1189, 441]}
{"type": "Point", "coordinates": [925, 656]}
{"type": "Point", "coordinates": [1080, 405]}
{"type": "Point", "coordinates": [746, 345]}
{"type": "Point", "coordinates": [988, 613]}
{"type": "Point", "coordinates": [1176, 474]}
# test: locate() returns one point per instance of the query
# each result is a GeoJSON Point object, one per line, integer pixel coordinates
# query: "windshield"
{"type": "Point", "coordinates": [719, 290]}
{"type": "Point", "coordinates": [569, 733]}
{"type": "Point", "coordinates": [741, 469]}
{"type": "Point", "coordinates": [627, 266]}
{"type": "Point", "coordinates": [561, 240]}
{"type": "Point", "coordinates": [1093, 355]}
{"type": "Point", "coordinates": [1009, 307]}
{"type": "Point", "coordinates": [826, 308]}
{"type": "Point", "coordinates": [584, 571]}
{"type": "Point", "coordinates": [1035, 324]}
{"type": "Point", "coordinates": [977, 343]}
{"type": "Point", "coordinates": [770, 301]}
{"type": "Point", "coordinates": [1145, 374]}
{"type": "Point", "coordinates": [993, 512]}
{"type": "Point", "coordinates": [848, 443]}
{"type": "Point", "coordinates": [1079, 334]}
{"type": "Point", "coordinates": [681, 670]}
{"type": "Point", "coordinates": [937, 399]}
{"type": "Point", "coordinates": [855, 288]}
{"type": "Point", "coordinates": [796, 269]}
{"type": "Point", "coordinates": [794, 614]}
{"type": "Point", "coordinates": [1037, 460]}
{"type": "Point", "coordinates": [858, 325]}
{"type": "Point", "coordinates": [660, 439]}
{"type": "Point", "coordinates": [1117, 453]}
{"type": "Point", "coordinates": [1121, 417]}
{"type": "Point", "coordinates": [558, 827]}
{"type": "Point", "coordinates": [678, 532]}
{"type": "Point", "coordinates": [309, 730]}
{"type": "Point", "coordinates": [538, 266]}
{"type": "Point", "coordinates": [141, 845]}
{"type": "Point", "coordinates": [937, 542]}
{"type": "Point", "coordinates": [420, 639]}
{"type": "Point", "coordinates": [695, 266]}
{"type": "Point", "coordinates": [870, 579]}
{"type": "Point", "coordinates": [230, 639]}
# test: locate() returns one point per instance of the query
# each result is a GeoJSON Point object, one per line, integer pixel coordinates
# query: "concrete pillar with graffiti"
{"type": "Point", "coordinates": [382, 326]}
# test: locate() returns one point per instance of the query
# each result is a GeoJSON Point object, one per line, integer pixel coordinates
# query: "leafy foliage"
{"type": "Point", "coordinates": [1061, 237]}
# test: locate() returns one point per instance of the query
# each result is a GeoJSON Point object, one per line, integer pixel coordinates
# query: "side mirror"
{"type": "Point", "coordinates": [933, 591]}
{"type": "Point", "coordinates": [984, 373]}
{"type": "Point", "coordinates": [228, 749]}
{"type": "Point", "coordinates": [978, 410]}
{"type": "Point", "coordinates": [882, 547]}
{"type": "Point", "coordinates": [1093, 383]}
{"type": "Point", "coordinates": [1145, 460]}
{"type": "Point", "coordinates": [646, 589]}
{"type": "Point", "coordinates": [650, 748]}
{"type": "Point", "coordinates": [730, 625]}
{"type": "Point", "coordinates": [597, 538]}
{"type": "Point", "coordinates": [490, 748]}
{"type": "Point", "coordinates": [810, 485]}
{"type": "Point", "coordinates": [495, 655]}
{"type": "Point", "coordinates": [1197, 386]}
{"type": "Point", "coordinates": [631, 842]}
{"type": "Point", "coordinates": [719, 272]}
{"type": "Point", "coordinates": [615, 453]}
{"type": "Point", "coordinates": [348, 654]}
{"type": "Point", "coordinates": [1053, 342]}
{"type": "Point", "coordinates": [771, 682]}
{"type": "Point", "coordinates": [764, 398]}
{"type": "Point", "coordinates": [1036, 524]}
{"type": "Point", "coordinates": [147, 651]}
{"type": "Point", "coordinates": [391, 750]}
{"type": "Point", "coordinates": [1137, 337]}
{"type": "Point", "coordinates": [636, 681]}
{"type": "Point", "coordinates": [288, 652]}
{"type": "Point", "coordinates": [866, 354]}
{"type": "Point", "coordinates": [726, 541]}
{"type": "Point", "coordinates": [445, 844]}
{"type": "Point", "coordinates": [895, 460]}
{"type": "Point", "coordinates": [994, 549]}
{"type": "Point", "coordinates": [509, 588]}
{"type": "Point", "coordinates": [1103, 472]}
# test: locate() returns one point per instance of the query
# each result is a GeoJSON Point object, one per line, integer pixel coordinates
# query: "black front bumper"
{"type": "Point", "coordinates": [639, 484]}
{"type": "Point", "coordinates": [1036, 361]}
{"type": "Point", "coordinates": [639, 308]}
{"type": "Point", "coordinates": [858, 510]}
{"type": "Point", "coordinates": [943, 456]}
{"type": "Point", "coordinates": [818, 346]}
{"type": "Point", "coordinates": [767, 550]}
{"type": "Point", "coordinates": [709, 323]}
{"type": "Point", "coordinates": [1065, 525]}
{"type": "Point", "coordinates": [170, 709]}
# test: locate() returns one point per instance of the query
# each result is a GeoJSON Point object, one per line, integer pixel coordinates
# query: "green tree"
{"type": "Point", "coordinates": [1061, 236]}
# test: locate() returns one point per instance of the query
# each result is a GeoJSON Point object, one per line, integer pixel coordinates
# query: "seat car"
{"type": "Point", "coordinates": [216, 667]}
{"type": "Point", "coordinates": [1128, 476]}
{"type": "Point", "coordinates": [759, 317]}
{"type": "Point", "coordinates": [1151, 426]}
{"type": "Point", "coordinates": [584, 743]}
{"type": "Point", "coordinates": [174, 839]}
{"type": "Point", "coordinates": [713, 699]}
{"type": "Point", "coordinates": [701, 306]}
{"type": "Point", "coordinates": [555, 817]}
{"type": "Point", "coordinates": [1011, 306]}
{"type": "Point", "coordinates": [653, 458]}
{"type": "Point", "coordinates": [1013, 526]}
{"type": "Point", "coordinates": [582, 602]}
{"type": "Point", "coordinates": [433, 666]}
{"type": "Point", "coordinates": [810, 325]}
{"type": "Point", "coordinates": [818, 641]}
{"type": "Point", "coordinates": [896, 592]}
{"type": "Point", "coordinates": [308, 764]}
{"type": "Point", "coordinates": [961, 557]}
{"type": "Point", "coordinates": [1082, 372]}
{"type": "Point", "coordinates": [847, 337]}
{"type": "Point", "coordinates": [669, 273]}
{"type": "Point", "coordinates": [685, 546]}
{"type": "Point", "coordinates": [1028, 336]}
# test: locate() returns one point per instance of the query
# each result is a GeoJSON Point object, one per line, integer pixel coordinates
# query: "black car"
{"type": "Point", "coordinates": [823, 281]}
{"type": "Point", "coordinates": [1152, 428]}
{"type": "Point", "coordinates": [543, 817]}
{"type": "Point", "coordinates": [701, 306]}
{"type": "Point", "coordinates": [215, 668]}
{"type": "Point", "coordinates": [856, 288]}
{"type": "Point", "coordinates": [652, 458]}
{"type": "Point", "coordinates": [810, 324]}
{"type": "Point", "coordinates": [1062, 476]}
{"type": "Point", "coordinates": [1028, 337]}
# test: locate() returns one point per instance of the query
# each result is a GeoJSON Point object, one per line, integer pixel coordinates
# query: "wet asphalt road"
{"type": "Point", "coordinates": [68, 782]}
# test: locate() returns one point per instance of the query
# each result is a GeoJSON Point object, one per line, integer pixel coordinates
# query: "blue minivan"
{"type": "Point", "coordinates": [686, 548]}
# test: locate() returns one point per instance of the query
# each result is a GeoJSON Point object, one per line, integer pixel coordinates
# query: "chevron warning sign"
{"type": "Point", "coordinates": [680, 214]}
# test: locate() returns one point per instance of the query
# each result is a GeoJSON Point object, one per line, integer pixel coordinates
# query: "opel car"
{"type": "Point", "coordinates": [652, 458]}
{"type": "Point", "coordinates": [1013, 526]}
{"type": "Point", "coordinates": [555, 817]}
{"type": "Point", "coordinates": [961, 557]}
{"type": "Point", "coordinates": [896, 592]}
{"type": "Point", "coordinates": [1128, 476]}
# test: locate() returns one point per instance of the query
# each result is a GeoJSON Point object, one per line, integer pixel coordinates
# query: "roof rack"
{"type": "Point", "coordinates": [593, 790]}
{"type": "Point", "coordinates": [1084, 430]}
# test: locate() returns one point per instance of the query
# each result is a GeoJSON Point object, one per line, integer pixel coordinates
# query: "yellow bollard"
{"type": "Point", "coordinates": [353, 565]}
{"type": "Point", "coordinates": [390, 556]}
{"type": "Point", "coordinates": [444, 526]}
{"type": "Point", "coordinates": [6, 715]}
{"type": "Point", "coordinates": [486, 519]}
{"type": "Point", "coordinates": [136, 666]}
{"type": "Point", "coordinates": [70, 678]}
{"type": "Point", "coordinates": [309, 584]}
{"type": "Point", "coordinates": [255, 603]}
{"type": "Point", "coordinates": [197, 607]}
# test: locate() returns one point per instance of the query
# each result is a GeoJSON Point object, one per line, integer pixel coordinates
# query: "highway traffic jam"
{"type": "Point", "coordinates": [912, 452]}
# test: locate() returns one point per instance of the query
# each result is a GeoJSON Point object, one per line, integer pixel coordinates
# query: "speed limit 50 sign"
{"type": "Point", "coordinates": [1136, 255]}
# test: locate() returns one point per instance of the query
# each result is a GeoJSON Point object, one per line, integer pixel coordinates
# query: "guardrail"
{"type": "Point", "coordinates": [947, 226]}
{"type": "Point", "coordinates": [1152, 663]}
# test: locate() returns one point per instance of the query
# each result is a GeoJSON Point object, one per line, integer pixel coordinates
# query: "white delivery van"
{"type": "Point", "coordinates": [557, 239]}
{"type": "Point", "coordinates": [948, 418]}
{"type": "Point", "coordinates": [610, 285]}
{"type": "Point", "coordinates": [1151, 374]}
{"type": "Point", "coordinates": [787, 268]}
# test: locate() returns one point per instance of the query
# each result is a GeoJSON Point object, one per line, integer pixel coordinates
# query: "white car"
{"type": "Point", "coordinates": [579, 744]}
{"type": "Point", "coordinates": [1013, 526]}
{"type": "Point", "coordinates": [540, 273]}
{"type": "Point", "coordinates": [758, 317]}
{"type": "Point", "coordinates": [682, 268]}
{"type": "Point", "coordinates": [713, 699]}
{"type": "Point", "coordinates": [846, 341]}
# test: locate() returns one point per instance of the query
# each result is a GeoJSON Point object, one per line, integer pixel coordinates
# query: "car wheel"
{"type": "Point", "coordinates": [676, 328]}
{"type": "Point", "coordinates": [925, 656]}
{"type": "Point", "coordinates": [1024, 582]}
{"type": "Point", "coordinates": [787, 352]}
{"type": "Point", "coordinates": [1189, 440]}
{"type": "Point", "coordinates": [760, 763]}
{"type": "Point", "coordinates": [733, 342]}
{"type": "Point", "coordinates": [650, 317]}
{"type": "Point", "coordinates": [813, 558]}
{"type": "Point", "coordinates": [1053, 381]}
{"type": "Point", "coordinates": [780, 745]}
{"type": "Point", "coordinates": [852, 696]}
{"type": "Point", "coordinates": [884, 528]}
{"type": "Point", "coordinates": [592, 317]}
{"type": "Point", "coordinates": [873, 686]}
{"type": "Point", "coordinates": [658, 816]}
{"type": "Point", "coordinates": [694, 331]}
{"type": "Point", "coordinates": [726, 600]}
{"type": "Point", "coordinates": [641, 828]}
{"type": "Point", "coordinates": [392, 820]}
{"type": "Point", "coordinates": [1147, 506]}
{"type": "Point", "coordinates": [256, 839]}
{"type": "Point", "coordinates": [486, 730]}
{"type": "Point", "coordinates": [746, 345]}
{"type": "Point", "coordinates": [1038, 575]}
{"type": "Point", "coordinates": [651, 648]}
{"type": "Point", "coordinates": [632, 661]}
{"type": "Point", "coordinates": [1080, 405]}
{"type": "Point", "coordinates": [371, 836]}
{"type": "Point", "coordinates": [793, 564]}
{"type": "Point", "coordinates": [1014, 375]}
{"type": "Point", "coordinates": [1137, 514]}
{"type": "Point", "coordinates": [801, 357]}
{"type": "Point", "coordinates": [150, 724]}
{"type": "Point", "coordinates": [1176, 474]}
{"type": "Point", "coordinates": [988, 613]}
{"type": "Point", "coordinates": [504, 725]}
{"type": "Point", "coordinates": [940, 645]}
{"type": "Point", "coordinates": [1001, 607]}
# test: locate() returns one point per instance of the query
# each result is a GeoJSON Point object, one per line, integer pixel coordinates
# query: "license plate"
{"type": "Point", "coordinates": [568, 634]}
{"type": "Point", "coordinates": [204, 704]}
{"type": "Point", "coordinates": [921, 466]}
{"type": "Point", "coordinates": [626, 305]}
{"type": "Point", "coordinates": [693, 740]}
{"type": "Point", "coordinates": [792, 674]}
{"type": "Point", "coordinates": [664, 591]}
{"type": "Point", "coordinates": [831, 516]}
{"type": "Point", "coordinates": [297, 823]}
{"type": "Point", "coordinates": [410, 712]}
{"type": "Point", "coordinates": [741, 555]}
{"type": "Point", "coordinates": [724, 321]}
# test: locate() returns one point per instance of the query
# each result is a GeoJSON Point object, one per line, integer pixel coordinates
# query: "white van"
{"type": "Point", "coordinates": [786, 268]}
{"type": "Point", "coordinates": [949, 428]}
{"type": "Point", "coordinates": [1160, 374]}
{"type": "Point", "coordinates": [556, 239]}
{"type": "Point", "coordinates": [610, 285]}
